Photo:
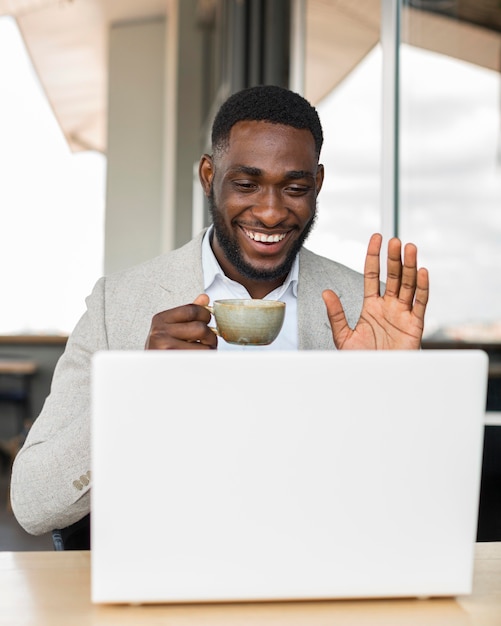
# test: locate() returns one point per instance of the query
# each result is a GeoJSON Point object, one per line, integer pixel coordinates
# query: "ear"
{"type": "Point", "coordinates": [319, 178]}
{"type": "Point", "coordinates": [206, 173]}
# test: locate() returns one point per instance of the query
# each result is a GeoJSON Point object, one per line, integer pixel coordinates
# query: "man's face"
{"type": "Point", "coordinates": [262, 191]}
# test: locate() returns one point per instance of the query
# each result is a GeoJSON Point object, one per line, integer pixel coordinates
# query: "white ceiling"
{"type": "Point", "coordinates": [67, 42]}
{"type": "Point", "coordinates": [338, 36]}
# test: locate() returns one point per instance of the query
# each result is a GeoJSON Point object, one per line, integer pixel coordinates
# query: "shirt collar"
{"type": "Point", "coordinates": [212, 269]}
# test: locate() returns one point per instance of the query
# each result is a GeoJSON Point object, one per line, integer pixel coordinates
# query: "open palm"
{"type": "Point", "coordinates": [393, 321]}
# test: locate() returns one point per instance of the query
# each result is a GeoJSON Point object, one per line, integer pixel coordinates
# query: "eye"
{"type": "Point", "coordinates": [297, 190]}
{"type": "Point", "coordinates": [244, 185]}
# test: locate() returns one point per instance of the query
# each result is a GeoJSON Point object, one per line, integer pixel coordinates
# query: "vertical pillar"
{"type": "Point", "coordinates": [182, 133]}
{"type": "Point", "coordinates": [135, 143]}
{"type": "Point", "coordinates": [390, 41]}
{"type": "Point", "coordinates": [298, 46]}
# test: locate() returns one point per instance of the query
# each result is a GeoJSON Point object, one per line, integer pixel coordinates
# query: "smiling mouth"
{"type": "Point", "coordinates": [262, 237]}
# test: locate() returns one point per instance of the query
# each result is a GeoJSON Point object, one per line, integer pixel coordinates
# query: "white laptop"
{"type": "Point", "coordinates": [285, 475]}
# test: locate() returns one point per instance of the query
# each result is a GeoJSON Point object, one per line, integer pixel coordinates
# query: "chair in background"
{"type": "Point", "coordinates": [16, 374]}
{"type": "Point", "coordinates": [74, 537]}
{"type": "Point", "coordinates": [489, 514]}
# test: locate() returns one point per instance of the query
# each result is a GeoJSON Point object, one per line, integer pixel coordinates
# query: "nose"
{"type": "Point", "coordinates": [269, 208]}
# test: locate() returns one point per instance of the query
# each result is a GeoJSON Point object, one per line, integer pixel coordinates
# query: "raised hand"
{"type": "Point", "coordinates": [182, 328]}
{"type": "Point", "coordinates": [393, 321]}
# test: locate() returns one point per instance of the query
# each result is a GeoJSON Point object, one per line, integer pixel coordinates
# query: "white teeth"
{"type": "Point", "coordinates": [264, 238]}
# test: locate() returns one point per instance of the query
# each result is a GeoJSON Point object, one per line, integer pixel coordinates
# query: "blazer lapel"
{"type": "Point", "coordinates": [313, 325]}
{"type": "Point", "coordinates": [185, 285]}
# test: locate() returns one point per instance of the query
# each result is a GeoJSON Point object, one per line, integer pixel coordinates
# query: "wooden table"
{"type": "Point", "coordinates": [53, 589]}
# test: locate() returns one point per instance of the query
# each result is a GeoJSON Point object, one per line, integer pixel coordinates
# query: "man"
{"type": "Point", "coordinates": [262, 182]}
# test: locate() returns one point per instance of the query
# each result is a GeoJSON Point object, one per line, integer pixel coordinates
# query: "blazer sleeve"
{"type": "Point", "coordinates": [51, 476]}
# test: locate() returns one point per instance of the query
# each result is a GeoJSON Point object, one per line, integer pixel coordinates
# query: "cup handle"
{"type": "Point", "coordinates": [213, 328]}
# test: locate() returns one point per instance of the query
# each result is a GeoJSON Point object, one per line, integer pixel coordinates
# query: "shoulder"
{"type": "Point", "coordinates": [178, 262]}
{"type": "Point", "coordinates": [163, 282]}
{"type": "Point", "coordinates": [125, 301]}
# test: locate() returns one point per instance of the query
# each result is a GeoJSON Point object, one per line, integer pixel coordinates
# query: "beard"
{"type": "Point", "coordinates": [233, 254]}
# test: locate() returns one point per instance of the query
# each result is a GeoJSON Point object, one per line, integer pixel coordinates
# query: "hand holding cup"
{"type": "Point", "coordinates": [249, 321]}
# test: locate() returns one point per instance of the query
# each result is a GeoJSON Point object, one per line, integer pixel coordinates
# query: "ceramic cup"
{"type": "Point", "coordinates": [248, 322]}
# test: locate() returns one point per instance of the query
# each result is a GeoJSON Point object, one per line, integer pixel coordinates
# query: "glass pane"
{"type": "Point", "coordinates": [450, 201]}
{"type": "Point", "coordinates": [52, 205]}
{"type": "Point", "coordinates": [343, 70]}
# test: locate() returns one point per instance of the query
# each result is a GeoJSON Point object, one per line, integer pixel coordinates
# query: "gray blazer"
{"type": "Point", "coordinates": [51, 477]}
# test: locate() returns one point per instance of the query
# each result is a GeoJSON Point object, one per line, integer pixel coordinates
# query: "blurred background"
{"type": "Point", "coordinates": [106, 106]}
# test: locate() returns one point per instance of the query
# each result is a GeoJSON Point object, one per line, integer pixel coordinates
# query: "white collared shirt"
{"type": "Point", "coordinates": [218, 287]}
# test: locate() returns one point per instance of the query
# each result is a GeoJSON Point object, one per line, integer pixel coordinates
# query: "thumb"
{"type": "Point", "coordinates": [203, 299]}
{"type": "Point", "coordinates": [337, 318]}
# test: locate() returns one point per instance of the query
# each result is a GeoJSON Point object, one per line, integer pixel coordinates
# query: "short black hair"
{"type": "Point", "coordinates": [267, 103]}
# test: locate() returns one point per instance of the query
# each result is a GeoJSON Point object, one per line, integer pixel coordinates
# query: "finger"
{"type": "Point", "coordinates": [171, 343]}
{"type": "Point", "coordinates": [175, 328]}
{"type": "Point", "coordinates": [394, 268]}
{"type": "Point", "coordinates": [422, 294]}
{"type": "Point", "coordinates": [180, 336]}
{"type": "Point", "coordinates": [184, 313]}
{"type": "Point", "coordinates": [409, 275]}
{"type": "Point", "coordinates": [337, 318]}
{"type": "Point", "coordinates": [200, 335]}
{"type": "Point", "coordinates": [371, 269]}
{"type": "Point", "coordinates": [191, 331]}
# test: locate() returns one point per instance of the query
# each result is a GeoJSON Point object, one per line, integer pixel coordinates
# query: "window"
{"type": "Point", "coordinates": [450, 185]}
{"type": "Point", "coordinates": [343, 79]}
{"type": "Point", "coordinates": [52, 205]}
{"type": "Point", "coordinates": [450, 149]}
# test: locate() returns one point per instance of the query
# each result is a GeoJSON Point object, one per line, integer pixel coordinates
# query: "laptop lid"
{"type": "Point", "coordinates": [285, 475]}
